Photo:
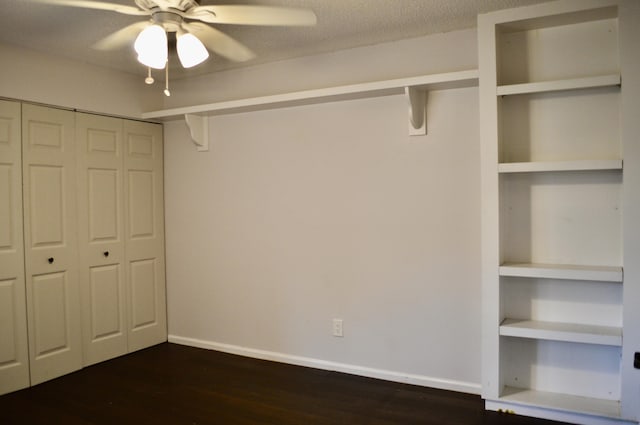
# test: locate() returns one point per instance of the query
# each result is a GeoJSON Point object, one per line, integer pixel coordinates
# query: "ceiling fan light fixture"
{"type": "Point", "coordinates": [151, 46]}
{"type": "Point", "coordinates": [191, 51]}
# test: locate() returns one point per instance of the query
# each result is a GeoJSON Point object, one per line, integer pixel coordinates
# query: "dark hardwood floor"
{"type": "Point", "coordinates": [178, 385]}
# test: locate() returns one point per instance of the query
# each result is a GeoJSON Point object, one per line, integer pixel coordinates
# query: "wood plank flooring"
{"type": "Point", "coordinates": [177, 385]}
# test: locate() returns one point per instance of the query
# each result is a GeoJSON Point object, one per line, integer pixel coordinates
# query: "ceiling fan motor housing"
{"type": "Point", "coordinates": [170, 21]}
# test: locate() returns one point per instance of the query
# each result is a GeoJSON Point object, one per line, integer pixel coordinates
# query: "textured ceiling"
{"type": "Point", "coordinates": [69, 32]}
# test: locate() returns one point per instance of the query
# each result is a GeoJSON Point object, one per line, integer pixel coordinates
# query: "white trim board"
{"type": "Point", "coordinates": [553, 414]}
{"type": "Point", "coordinates": [387, 375]}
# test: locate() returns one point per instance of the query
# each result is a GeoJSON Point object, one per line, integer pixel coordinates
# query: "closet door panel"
{"type": "Point", "coordinates": [100, 235]}
{"type": "Point", "coordinates": [14, 352]}
{"type": "Point", "coordinates": [46, 189]}
{"type": "Point", "coordinates": [51, 311]}
{"type": "Point", "coordinates": [7, 207]}
{"type": "Point", "coordinates": [14, 371]}
{"type": "Point", "coordinates": [145, 234]}
{"type": "Point", "coordinates": [105, 290]}
{"type": "Point", "coordinates": [143, 293]}
{"type": "Point", "coordinates": [51, 262]}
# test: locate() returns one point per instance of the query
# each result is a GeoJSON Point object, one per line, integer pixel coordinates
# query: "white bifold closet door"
{"type": "Point", "coordinates": [51, 256]}
{"type": "Point", "coordinates": [14, 354]}
{"type": "Point", "coordinates": [144, 230]}
{"type": "Point", "coordinates": [121, 235]}
{"type": "Point", "coordinates": [101, 237]}
{"type": "Point", "coordinates": [82, 275]}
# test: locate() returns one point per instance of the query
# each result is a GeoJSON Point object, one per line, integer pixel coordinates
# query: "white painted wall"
{"type": "Point", "coordinates": [297, 216]}
{"type": "Point", "coordinates": [42, 78]}
{"type": "Point", "coordinates": [454, 51]}
{"type": "Point", "coordinates": [300, 215]}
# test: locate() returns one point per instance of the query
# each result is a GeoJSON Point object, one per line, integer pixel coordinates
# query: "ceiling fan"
{"type": "Point", "coordinates": [192, 38]}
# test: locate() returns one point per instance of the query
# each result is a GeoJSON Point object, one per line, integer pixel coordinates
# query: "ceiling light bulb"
{"type": "Point", "coordinates": [151, 46]}
{"type": "Point", "coordinates": [191, 51]}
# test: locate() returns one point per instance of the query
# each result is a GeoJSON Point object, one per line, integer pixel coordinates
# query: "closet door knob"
{"type": "Point", "coordinates": [106, 253]}
{"type": "Point", "coordinates": [50, 260]}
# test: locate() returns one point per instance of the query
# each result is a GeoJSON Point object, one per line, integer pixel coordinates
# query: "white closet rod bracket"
{"type": "Point", "coordinates": [199, 129]}
{"type": "Point", "coordinates": [417, 111]}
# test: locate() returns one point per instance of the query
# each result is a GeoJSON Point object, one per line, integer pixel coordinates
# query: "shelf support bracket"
{"type": "Point", "coordinates": [199, 129]}
{"type": "Point", "coordinates": [417, 111]}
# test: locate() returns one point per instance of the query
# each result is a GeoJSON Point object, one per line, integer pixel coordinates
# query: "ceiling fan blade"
{"type": "Point", "coordinates": [219, 42]}
{"type": "Point", "coordinates": [100, 5]}
{"type": "Point", "coordinates": [121, 37]}
{"type": "Point", "coordinates": [252, 15]}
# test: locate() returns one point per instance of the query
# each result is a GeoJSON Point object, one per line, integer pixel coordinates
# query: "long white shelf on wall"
{"type": "Point", "coordinates": [415, 88]}
{"type": "Point", "coordinates": [559, 401]}
{"type": "Point", "coordinates": [560, 85]}
{"type": "Point", "coordinates": [566, 332]}
{"type": "Point", "coordinates": [447, 80]}
{"type": "Point", "coordinates": [552, 166]}
{"type": "Point", "coordinates": [563, 271]}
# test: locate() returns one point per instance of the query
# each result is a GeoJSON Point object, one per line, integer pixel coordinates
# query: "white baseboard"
{"type": "Point", "coordinates": [387, 375]}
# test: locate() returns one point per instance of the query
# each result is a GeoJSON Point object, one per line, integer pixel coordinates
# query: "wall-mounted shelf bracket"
{"type": "Point", "coordinates": [417, 111]}
{"type": "Point", "coordinates": [199, 129]}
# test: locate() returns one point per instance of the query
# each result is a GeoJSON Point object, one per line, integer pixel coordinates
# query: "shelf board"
{"type": "Point", "coordinates": [566, 332]}
{"type": "Point", "coordinates": [560, 401]}
{"type": "Point", "coordinates": [560, 85]}
{"type": "Point", "coordinates": [550, 166]}
{"type": "Point", "coordinates": [448, 80]}
{"type": "Point", "coordinates": [563, 271]}
{"type": "Point", "coordinates": [515, 20]}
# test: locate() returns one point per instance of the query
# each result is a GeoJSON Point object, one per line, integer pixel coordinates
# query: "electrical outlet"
{"type": "Point", "coordinates": [337, 327]}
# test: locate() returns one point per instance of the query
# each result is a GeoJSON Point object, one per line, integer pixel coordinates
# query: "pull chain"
{"type": "Point", "coordinates": [166, 80]}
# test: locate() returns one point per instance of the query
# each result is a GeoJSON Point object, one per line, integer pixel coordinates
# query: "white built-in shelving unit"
{"type": "Point", "coordinates": [559, 88]}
